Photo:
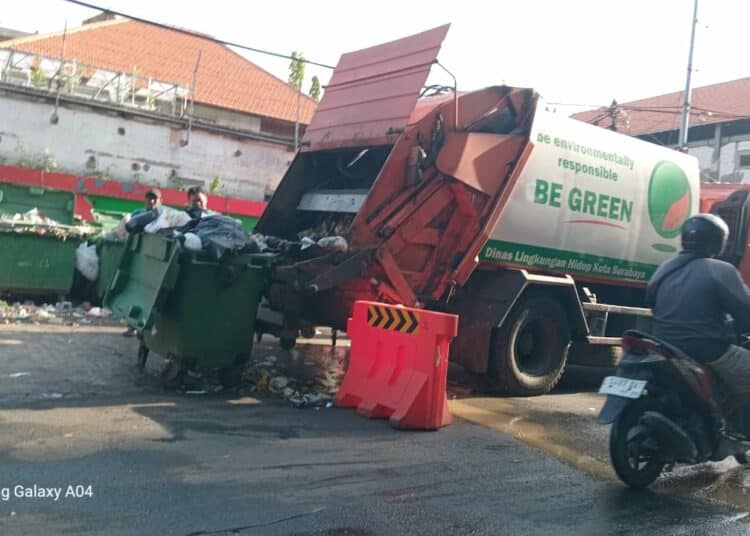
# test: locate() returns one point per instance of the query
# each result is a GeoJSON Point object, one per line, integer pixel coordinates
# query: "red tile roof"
{"type": "Point", "coordinates": [224, 79]}
{"type": "Point", "coordinates": [717, 103]}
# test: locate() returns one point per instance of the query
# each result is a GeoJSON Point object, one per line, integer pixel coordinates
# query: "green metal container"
{"type": "Point", "coordinates": [110, 254]}
{"type": "Point", "coordinates": [32, 263]}
{"type": "Point", "coordinates": [189, 308]}
{"type": "Point", "coordinates": [54, 204]}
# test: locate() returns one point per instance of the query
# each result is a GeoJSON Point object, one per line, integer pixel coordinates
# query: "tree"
{"type": "Point", "coordinates": [315, 88]}
{"type": "Point", "coordinates": [297, 69]}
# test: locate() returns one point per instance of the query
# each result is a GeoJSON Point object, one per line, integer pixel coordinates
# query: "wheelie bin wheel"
{"type": "Point", "coordinates": [142, 357]}
{"type": "Point", "coordinates": [173, 374]}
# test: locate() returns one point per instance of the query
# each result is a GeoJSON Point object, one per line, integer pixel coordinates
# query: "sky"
{"type": "Point", "coordinates": [580, 54]}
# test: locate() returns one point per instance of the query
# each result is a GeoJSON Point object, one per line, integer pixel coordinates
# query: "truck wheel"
{"type": "Point", "coordinates": [594, 355]}
{"type": "Point", "coordinates": [529, 351]}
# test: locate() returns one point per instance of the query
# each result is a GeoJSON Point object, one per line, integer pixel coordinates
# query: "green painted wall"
{"type": "Point", "coordinates": [111, 209]}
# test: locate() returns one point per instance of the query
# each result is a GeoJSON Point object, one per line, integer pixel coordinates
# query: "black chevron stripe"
{"type": "Point", "coordinates": [401, 320]}
{"type": "Point", "coordinates": [391, 318]}
{"type": "Point", "coordinates": [370, 316]}
{"type": "Point", "coordinates": [414, 322]}
{"type": "Point", "coordinates": [378, 315]}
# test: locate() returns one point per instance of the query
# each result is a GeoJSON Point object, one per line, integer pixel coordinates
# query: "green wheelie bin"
{"type": "Point", "coordinates": [195, 311]}
{"type": "Point", "coordinates": [37, 258]}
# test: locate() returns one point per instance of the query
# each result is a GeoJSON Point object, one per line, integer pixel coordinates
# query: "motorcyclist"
{"type": "Point", "coordinates": [691, 296]}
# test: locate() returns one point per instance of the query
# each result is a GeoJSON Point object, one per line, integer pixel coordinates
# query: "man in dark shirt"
{"type": "Point", "coordinates": [197, 203]}
{"type": "Point", "coordinates": [692, 295]}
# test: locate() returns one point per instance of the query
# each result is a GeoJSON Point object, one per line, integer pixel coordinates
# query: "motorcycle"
{"type": "Point", "coordinates": [666, 408]}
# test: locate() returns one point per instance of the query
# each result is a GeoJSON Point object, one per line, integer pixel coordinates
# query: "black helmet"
{"type": "Point", "coordinates": [705, 234]}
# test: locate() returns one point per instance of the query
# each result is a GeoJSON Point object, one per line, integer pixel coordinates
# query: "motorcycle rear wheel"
{"type": "Point", "coordinates": [635, 466]}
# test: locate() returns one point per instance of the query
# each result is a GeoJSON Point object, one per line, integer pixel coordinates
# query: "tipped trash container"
{"type": "Point", "coordinates": [110, 254]}
{"type": "Point", "coordinates": [189, 308]}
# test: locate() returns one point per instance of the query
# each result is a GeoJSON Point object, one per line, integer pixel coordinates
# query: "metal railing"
{"type": "Point", "coordinates": [84, 81]}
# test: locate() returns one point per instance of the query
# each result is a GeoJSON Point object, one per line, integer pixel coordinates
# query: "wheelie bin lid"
{"type": "Point", "coordinates": [148, 270]}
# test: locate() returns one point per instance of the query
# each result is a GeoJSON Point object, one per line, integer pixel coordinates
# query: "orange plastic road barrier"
{"type": "Point", "coordinates": [398, 365]}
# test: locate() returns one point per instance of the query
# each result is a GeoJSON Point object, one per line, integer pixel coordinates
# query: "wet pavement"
{"type": "Point", "coordinates": [563, 424]}
{"type": "Point", "coordinates": [159, 462]}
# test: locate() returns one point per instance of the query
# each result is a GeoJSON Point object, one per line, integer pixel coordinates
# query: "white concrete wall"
{"type": "Point", "coordinates": [86, 142]}
{"type": "Point", "coordinates": [725, 169]}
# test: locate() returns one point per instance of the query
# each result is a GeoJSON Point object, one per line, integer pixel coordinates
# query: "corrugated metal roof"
{"type": "Point", "coordinates": [373, 91]}
{"type": "Point", "coordinates": [224, 79]}
{"type": "Point", "coordinates": [717, 103]}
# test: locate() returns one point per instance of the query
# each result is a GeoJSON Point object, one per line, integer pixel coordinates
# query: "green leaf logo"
{"type": "Point", "coordinates": [669, 198]}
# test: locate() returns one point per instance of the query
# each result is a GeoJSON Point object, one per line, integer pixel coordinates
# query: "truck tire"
{"type": "Point", "coordinates": [529, 350]}
{"type": "Point", "coordinates": [594, 355]}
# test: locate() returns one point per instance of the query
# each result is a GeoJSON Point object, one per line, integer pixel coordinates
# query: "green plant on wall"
{"type": "Point", "coordinates": [45, 161]}
{"type": "Point", "coordinates": [178, 183]}
{"type": "Point", "coordinates": [215, 185]}
{"type": "Point", "coordinates": [23, 155]}
{"type": "Point", "coordinates": [71, 78]}
{"type": "Point", "coordinates": [37, 76]}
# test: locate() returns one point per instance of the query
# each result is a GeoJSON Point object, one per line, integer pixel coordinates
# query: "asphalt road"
{"type": "Point", "coordinates": [563, 424]}
{"type": "Point", "coordinates": [164, 463]}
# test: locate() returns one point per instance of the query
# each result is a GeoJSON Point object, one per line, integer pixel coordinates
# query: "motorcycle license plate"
{"type": "Point", "coordinates": [614, 385]}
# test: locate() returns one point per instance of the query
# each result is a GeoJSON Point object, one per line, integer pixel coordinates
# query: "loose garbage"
{"type": "Point", "coordinates": [35, 222]}
{"type": "Point", "coordinates": [119, 232]}
{"type": "Point", "coordinates": [303, 381]}
{"type": "Point", "coordinates": [61, 313]}
{"type": "Point", "coordinates": [308, 379]}
{"type": "Point", "coordinates": [218, 235]}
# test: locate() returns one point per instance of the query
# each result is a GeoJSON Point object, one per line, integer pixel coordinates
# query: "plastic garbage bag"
{"type": "Point", "coordinates": [87, 261]}
{"type": "Point", "coordinates": [219, 234]}
{"type": "Point", "coordinates": [193, 242]}
{"type": "Point", "coordinates": [168, 218]}
{"type": "Point", "coordinates": [138, 222]}
{"type": "Point", "coordinates": [120, 232]}
{"type": "Point", "coordinates": [335, 243]}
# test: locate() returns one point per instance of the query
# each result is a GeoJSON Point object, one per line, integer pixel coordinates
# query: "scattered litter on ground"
{"type": "Point", "coordinates": [62, 313]}
{"type": "Point", "coordinates": [19, 374]}
{"type": "Point", "coordinates": [305, 379]}
{"type": "Point", "coordinates": [309, 381]}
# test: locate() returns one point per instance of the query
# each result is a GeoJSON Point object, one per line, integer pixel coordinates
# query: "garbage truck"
{"type": "Point", "coordinates": [540, 231]}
